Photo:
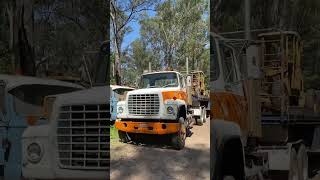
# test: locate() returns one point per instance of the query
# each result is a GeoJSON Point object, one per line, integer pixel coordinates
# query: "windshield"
{"type": "Point", "coordinates": [159, 80]}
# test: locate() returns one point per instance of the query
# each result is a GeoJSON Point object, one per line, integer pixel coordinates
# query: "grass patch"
{"type": "Point", "coordinates": [113, 133]}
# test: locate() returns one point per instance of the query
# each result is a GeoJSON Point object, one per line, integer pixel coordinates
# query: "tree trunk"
{"type": "Point", "coordinates": [117, 69]}
{"type": "Point", "coordinates": [117, 46]}
{"type": "Point", "coordinates": [20, 14]}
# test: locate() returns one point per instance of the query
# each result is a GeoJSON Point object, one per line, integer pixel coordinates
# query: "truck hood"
{"type": "Point", "coordinates": [152, 90]}
{"type": "Point", "coordinates": [95, 95]}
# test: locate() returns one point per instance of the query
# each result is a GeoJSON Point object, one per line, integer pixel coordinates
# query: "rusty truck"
{"type": "Point", "coordinates": [164, 104]}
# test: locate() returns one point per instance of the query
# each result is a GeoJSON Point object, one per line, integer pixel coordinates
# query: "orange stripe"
{"type": "Point", "coordinates": [229, 107]}
{"type": "Point", "coordinates": [177, 94]}
{"type": "Point", "coordinates": [147, 127]}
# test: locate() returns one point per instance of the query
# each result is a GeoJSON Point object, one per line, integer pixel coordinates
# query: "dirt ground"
{"type": "Point", "coordinates": [160, 162]}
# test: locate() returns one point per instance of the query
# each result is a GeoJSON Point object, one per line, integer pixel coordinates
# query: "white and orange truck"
{"type": "Point", "coordinates": [164, 104]}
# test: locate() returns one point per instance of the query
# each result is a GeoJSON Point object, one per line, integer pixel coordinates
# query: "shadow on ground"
{"type": "Point", "coordinates": [157, 161]}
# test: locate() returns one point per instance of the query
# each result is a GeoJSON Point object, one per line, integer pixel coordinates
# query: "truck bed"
{"type": "Point", "coordinates": [294, 116]}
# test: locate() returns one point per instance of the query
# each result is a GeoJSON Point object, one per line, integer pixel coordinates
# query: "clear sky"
{"type": "Point", "coordinates": [130, 37]}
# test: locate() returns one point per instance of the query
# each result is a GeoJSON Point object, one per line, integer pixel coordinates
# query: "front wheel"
{"type": "Point", "coordinates": [123, 136]}
{"type": "Point", "coordinates": [201, 119]}
{"type": "Point", "coordinates": [179, 138]}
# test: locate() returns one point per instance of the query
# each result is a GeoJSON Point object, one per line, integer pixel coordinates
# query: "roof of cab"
{"type": "Point", "coordinates": [13, 81]}
{"type": "Point", "coordinates": [278, 33]}
{"type": "Point", "coordinates": [156, 72]}
{"type": "Point", "coordinates": [113, 87]}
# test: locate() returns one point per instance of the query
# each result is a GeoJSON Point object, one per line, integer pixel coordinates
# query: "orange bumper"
{"type": "Point", "coordinates": [147, 127]}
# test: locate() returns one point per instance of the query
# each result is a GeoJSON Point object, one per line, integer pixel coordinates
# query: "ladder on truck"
{"type": "Point", "coordinates": [279, 51]}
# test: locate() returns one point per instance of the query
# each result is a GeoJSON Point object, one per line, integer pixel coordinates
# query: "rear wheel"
{"type": "Point", "coordinates": [204, 114]}
{"type": "Point", "coordinates": [179, 138]}
{"type": "Point", "coordinates": [302, 158]}
{"type": "Point", "coordinates": [123, 136]}
{"type": "Point", "coordinates": [199, 120]}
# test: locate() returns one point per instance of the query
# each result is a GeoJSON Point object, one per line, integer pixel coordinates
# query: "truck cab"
{"type": "Point", "coordinates": [21, 99]}
{"type": "Point", "coordinates": [228, 112]}
{"type": "Point", "coordinates": [73, 143]}
{"type": "Point", "coordinates": [158, 106]}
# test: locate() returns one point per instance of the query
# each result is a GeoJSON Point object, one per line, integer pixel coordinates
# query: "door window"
{"type": "Point", "coordinates": [229, 68]}
{"type": "Point", "coordinates": [182, 84]}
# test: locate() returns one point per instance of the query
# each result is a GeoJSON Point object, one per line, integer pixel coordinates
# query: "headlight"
{"type": "Point", "coordinates": [170, 110]}
{"type": "Point", "coordinates": [120, 110]}
{"type": "Point", "coordinates": [34, 153]}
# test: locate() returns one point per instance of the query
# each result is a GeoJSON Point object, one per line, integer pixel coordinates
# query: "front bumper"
{"type": "Point", "coordinates": [49, 173]}
{"type": "Point", "coordinates": [147, 127]}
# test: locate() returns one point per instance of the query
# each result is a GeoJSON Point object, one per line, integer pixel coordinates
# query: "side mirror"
{"type": "Point", "coordinates": [253, 62]}
{"type": "Point", "coordinates": [136, 84]}
{"type": "Point", "coordinates": [189, 81]}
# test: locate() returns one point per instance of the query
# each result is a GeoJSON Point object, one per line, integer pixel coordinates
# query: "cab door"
{"type": "Point", "coordinates": [227, 93]}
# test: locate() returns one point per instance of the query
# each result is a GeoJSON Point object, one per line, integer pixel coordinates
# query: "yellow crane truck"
{"type": "Point", "coordinates": [263, 125]}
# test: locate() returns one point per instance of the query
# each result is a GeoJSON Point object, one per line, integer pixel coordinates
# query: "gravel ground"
{"type": "Point", "coordinates": [160, 162]}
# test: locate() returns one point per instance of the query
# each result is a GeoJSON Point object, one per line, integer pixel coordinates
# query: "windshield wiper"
{"type": "Point", "coordinates": [172, 84]}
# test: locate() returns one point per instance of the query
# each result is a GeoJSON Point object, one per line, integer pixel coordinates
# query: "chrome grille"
{"type": "Point", "coordinates": [143, 104]}
{"type": "Point", "coordinates": [83, 136]}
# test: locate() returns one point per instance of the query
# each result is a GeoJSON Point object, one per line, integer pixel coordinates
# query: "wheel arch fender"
{"type": "Point", "coordinates": [182, 111]}
{"type": "Point", "coordinates": [226, 144]}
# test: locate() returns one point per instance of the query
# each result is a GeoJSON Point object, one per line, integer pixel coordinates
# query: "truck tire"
{"type": "Point", "coordinates": [302, 158]}
{"type": "Point", "coordinates": [199, 120]}
{"type": "Point", "coordinates": [226, 151]}
{"type": "Point", "coordinates": [293, 169]}
{"type": "Point", "coordinates": [204, 114]}
{"type": "Point", "coordinates": [228, 178]}
{"type": "Point", "coordinates": [123, 136]}
{"type": "Point", "coordinates": [179, 138]}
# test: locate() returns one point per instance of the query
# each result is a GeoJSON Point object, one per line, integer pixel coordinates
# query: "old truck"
{"type": "Point", "coordinates": [72, 142]}
{"type": "Point", "coordinates": [21, 100]}
{"type": "Point", "coordinates": [262, 125]}
{"type": "Point", "coordinates": [161, 105]}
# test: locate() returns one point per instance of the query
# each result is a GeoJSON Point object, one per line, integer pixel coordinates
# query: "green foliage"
{"type": "Point", "coordinates": [63, 32]}
{"type": "Point", "coordinates": [295, 15]}
{"type": "Point", "coordinates": [113, 133]}
{"type": "Point", "coordinates": [179, 30]}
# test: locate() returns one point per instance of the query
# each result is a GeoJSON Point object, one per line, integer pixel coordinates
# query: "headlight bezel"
{"type": "Point", "coordinates": [170, 110]}
{"type": "Point", "coordinates": [34, 160]}
{"type": "Point", "coordinates": [120, 110]}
